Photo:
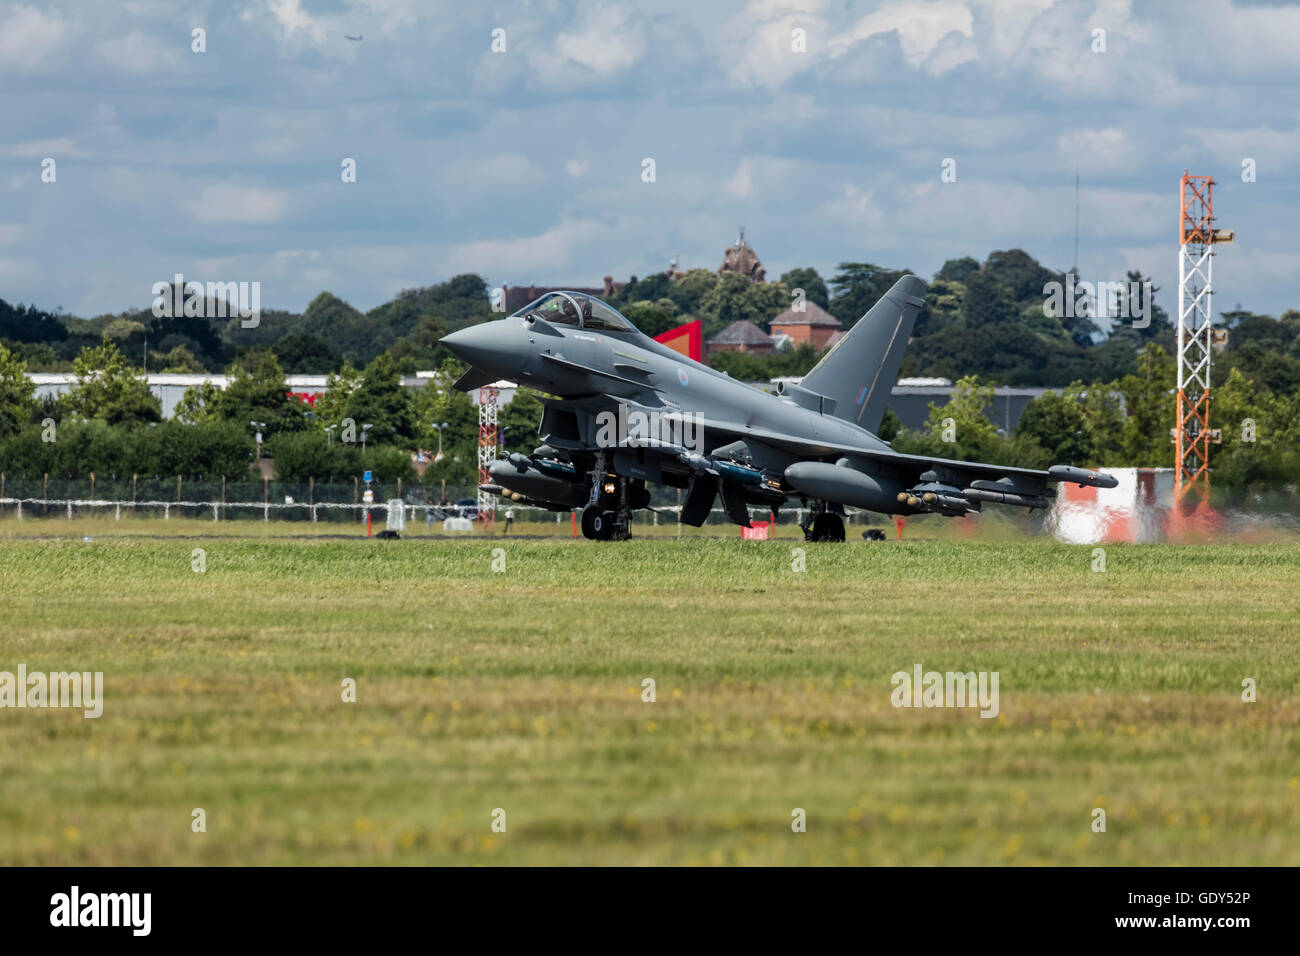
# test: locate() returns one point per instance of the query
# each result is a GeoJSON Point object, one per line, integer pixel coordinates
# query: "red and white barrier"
{"type": "Point", "coordinates": [1137, 509]}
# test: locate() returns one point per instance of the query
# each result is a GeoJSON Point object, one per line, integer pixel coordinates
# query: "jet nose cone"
{"type": "Point", "coordinates": [483, 346]}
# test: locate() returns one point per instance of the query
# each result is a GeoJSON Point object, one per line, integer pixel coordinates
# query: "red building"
{"type": "Point", "coordinates": [813, 326]}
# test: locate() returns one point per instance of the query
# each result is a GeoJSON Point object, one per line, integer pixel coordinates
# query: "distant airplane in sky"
{"type": "Point", "coordinates": [358, 39]}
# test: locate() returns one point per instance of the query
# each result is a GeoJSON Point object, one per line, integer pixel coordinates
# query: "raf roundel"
{"type": "Point", "coordinates": [683, 377]}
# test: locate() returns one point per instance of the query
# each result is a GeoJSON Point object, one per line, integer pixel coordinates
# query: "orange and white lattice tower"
{"type": "Point", "coordinates": [1192, 434]}
{"type": "Point", "coordinates": [487, 451]}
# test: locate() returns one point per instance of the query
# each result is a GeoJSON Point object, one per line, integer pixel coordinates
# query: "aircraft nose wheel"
{"type": "Point", "coordinates": [598, 525]}
{"type": "Point", "coordinates": [826, 527]}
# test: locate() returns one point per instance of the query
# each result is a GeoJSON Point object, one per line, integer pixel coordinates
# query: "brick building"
{"type": "Point", "coordinates": [741, 336]}
{"type": "Point", "coordinates": [813, 326]}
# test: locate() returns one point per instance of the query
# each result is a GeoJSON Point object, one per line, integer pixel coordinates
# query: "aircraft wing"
{"type": "Point", "coordinates": [915, 466]}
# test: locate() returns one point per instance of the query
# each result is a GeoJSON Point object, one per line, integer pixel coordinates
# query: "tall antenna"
{"type": "Point", "coordinates": [1075, 267]}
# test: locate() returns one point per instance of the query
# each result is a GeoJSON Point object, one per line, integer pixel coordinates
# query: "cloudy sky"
{"type": "Point", "coordinates": [526, 165]}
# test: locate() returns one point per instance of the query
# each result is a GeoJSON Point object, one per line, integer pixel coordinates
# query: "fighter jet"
{"type": "Point", "coordinates": [623, 411]}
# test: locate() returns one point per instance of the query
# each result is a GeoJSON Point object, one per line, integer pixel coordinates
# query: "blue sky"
{"type": "Point", "coordinates": [526, 165]}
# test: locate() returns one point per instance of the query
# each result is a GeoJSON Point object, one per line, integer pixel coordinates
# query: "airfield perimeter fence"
{"type": "Point", "coordinates": [335, 501]}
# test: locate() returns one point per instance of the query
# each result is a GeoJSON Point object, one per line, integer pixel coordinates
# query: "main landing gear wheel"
{"type": "Point", "coordinates": [826, 527]}
{"type": "Point", "coordinates": [597, 525]}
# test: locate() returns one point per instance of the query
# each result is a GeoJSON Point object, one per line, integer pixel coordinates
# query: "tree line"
{"type": "Point", "coordinates": [982, 324]}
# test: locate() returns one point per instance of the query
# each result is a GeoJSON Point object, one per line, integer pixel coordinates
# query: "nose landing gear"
{"type": "Point", "coordinates": [597, 524]}
{"type": "Point", "coordinates": [822, 524]}
{"type": "Point", "coordinates": [608, 516]}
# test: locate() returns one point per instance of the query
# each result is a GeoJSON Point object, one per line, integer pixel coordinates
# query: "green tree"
{"type": "Point", "coordinates": [519, 421]}
{"type": "Point", "coordinates": [359, 338]}
{"type": "Point", "coordinates": [1058, 424]}
{"type": "Point", "coordinates": [727, 301]}
{"type": "Point", "coordinates": [16, 393]}
{"type": "Point", "coordinates": [109, 389]}
{"type": "Point", "coordinates": [959, 430]}
{"type": "Point", "coordinates": [652, 287]}
{"type": "Point", "coordinates": [857, 287]}
{"type": "Point", "coordinates": [199, 404]}
{"type": "Point", "coordinates": [122, 330]}
{"type": "Point", "coordinates": [691, 288]}
{"type": "Point", "coordinates": [302, 455]}
{"type": "Point", "coordinates": [180, 359]}
{"type": "Point", "coordinates": [813, 285]}
{"type": "Point", "coordinates": [382, 401]}
{"type": "Point", "coordinates": [1274, 370]}
{"type": "Point", "coordinates": [1021, 273]}
{"type": "Point", "coordinates": [38, 356]}
{"type": "Point", "coordinates": [987, 302]}
{"type": "Point", "coordinates": [306, 354]}
{"type": "Point", "coordinates": [748, 367]}
{"type": "Point", "coordinates": [1104, 416]}
{"type": "Point", "coordinates": [332, 407]}
{"type": "Point", "coordinates": [735, 298]}
{"type": "Point", "coordinates": [1149, 397]}
{"type": "Point", "coordinates": [1160, 327]}
{"type": "Point", "coordinates": [257, 393]}
{"type": "Point", "coordinates": [958, 270]}
{"type": "Point", "coordinates": [1260, 431]}
{"type": "Point", "coordinates": [652, 318]}
{"type": "Point", "coordinates": [437, 402]}
{"type": "Point", "coordinates": [942, 309]}
{"type": "Point", "coordinates": [422, 348]}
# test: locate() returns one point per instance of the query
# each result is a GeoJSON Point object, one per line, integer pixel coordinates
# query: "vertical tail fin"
{"type": "Point", "coordinates": [860, 371]}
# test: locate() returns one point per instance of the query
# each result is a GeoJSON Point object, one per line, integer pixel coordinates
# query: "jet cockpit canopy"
{"type": "Point", "coordinates": [577, 308]}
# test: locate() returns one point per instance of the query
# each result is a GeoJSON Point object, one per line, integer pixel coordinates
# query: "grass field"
{"type": "Point", "coordinates": [522, 690]}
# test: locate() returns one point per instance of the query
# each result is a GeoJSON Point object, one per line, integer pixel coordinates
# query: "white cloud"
{"type": "Point", "coordinates": [855, 208]}
{"type": "Point", "coordinates": [920, 27]}
{"type": "Point", "coordinates": [1006, 25]}
{"type": "Point", "coordinates": [758, 43]}
{"type": "Point", "coordinates": [536, 176]}
{"type": "Point", "coordinates": [1091, 150]}
{"type": "Point", "coordinates": [605, 43]}
{"type": "Point", "coordinates": [1273, 150]}
{"type": "Point", "coordinates": [13, 270]}
{"type": "Point", "coordinates": [29, 39]}
{"type": "Point", "coordinates": [237, 204]}
{"type": "Point", "coordinates": [294, 20]}
{"type": "Point", "coordinates": [741, 185]}
{"type": "Point", "coordinates": [142, 54]}
{"type": "Point", "coordinates": [502, 172]}
{"type": "Point", "coordinates": [60, 147]}
{"type": "Point", "coordinates": [554, 255]}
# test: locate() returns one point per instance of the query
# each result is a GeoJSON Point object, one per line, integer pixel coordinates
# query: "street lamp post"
{"type": "Point", "coordinates": [258, 426]}
{"type": "Point", "coordinates": [438, 457]}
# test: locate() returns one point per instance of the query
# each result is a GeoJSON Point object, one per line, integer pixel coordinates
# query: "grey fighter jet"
{"type": "Point", "coordinates": [626, 411]}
